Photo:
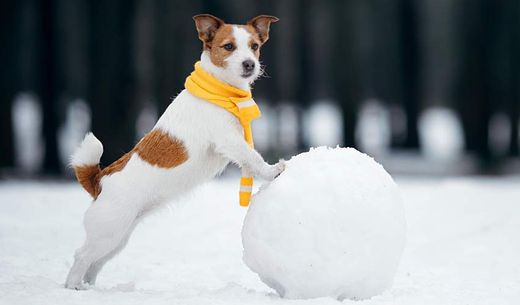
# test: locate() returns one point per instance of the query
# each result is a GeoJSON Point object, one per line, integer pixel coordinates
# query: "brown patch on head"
{"type": "Point", "coordinates": [261, 25]}
{"type": "Point", "coordinates": [156, 148]}
{"type": "Point", "coordinates": [159, 149]}
{"type": "Point", "coordinates": [216, 36]}
{"type": "Point", "coordinates": [220, 45]}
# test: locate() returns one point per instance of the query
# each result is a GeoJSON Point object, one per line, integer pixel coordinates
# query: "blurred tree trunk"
{"type": "Point", "coordinates": [313, 42]}
{"type": "Point", "coordinates": [73, 48]}
{"type": "Point", "coordinates": [48, 85]}
{"type": "Point", "coordinates": [282, 55]}
{"type": "Point", "coordinates": [169, 56]}
{"type": "Point", "coordinates": [347, 69]}
{"type": "Point", "coordinates": [410, 70]}
{"type": "Point", "coordinates": [385, 46]}
{"type": "Point", "coordinates": [437, 52]}
{"type": "Point", "coordinates": [319, 56]}
{"type": "Point", "coordinates": [112, 78]}
{"type": "Point", "coordinates": [302, 78]}
{"type": "Point", "coordinates": [513, 22]}
{"type": "Point", "coordinates": [474, 89]}
{"type": "Point", "coordinates": [303, 45]}
{"type": "Point", "coordinates": [9, 40]}
{"type": "Point", "coordinates": [383, 60]}
{"type": "Point", "coordinates": [144, 67]}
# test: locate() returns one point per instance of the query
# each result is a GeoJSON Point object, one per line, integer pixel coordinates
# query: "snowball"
{"type": "Point", "coordinates": [332, 224]}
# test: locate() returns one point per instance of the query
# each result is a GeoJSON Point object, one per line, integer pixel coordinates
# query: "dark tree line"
{"type": "Point", "coordinates": [121, 55]}
{"type": "Point", "coordinates": [488, 71]}
{"type": "Point", "coordinates": [8, 78]}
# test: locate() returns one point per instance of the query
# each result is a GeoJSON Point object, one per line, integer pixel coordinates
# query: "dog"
{"type": "Point", "coordinates": [192, 142]}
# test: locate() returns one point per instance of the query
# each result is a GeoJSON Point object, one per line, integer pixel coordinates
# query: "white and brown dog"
{"type": "Point", "coordinates": [191, 143]}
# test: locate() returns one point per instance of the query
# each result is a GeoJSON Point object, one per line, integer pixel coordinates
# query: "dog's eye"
{"type": "Point", "coordinates": [254, 46]}
{"type": "Point", "coordinates": [228, 47]}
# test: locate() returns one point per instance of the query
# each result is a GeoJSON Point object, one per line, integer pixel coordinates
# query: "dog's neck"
{"type": "Point", "coordinates": [222, 74]}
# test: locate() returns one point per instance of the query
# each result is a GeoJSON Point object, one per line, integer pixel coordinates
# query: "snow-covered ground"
{"type": "Point", "coordinates": [463, 248]}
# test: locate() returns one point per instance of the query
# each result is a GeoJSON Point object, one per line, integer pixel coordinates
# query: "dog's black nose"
{"type": "Point", "coordinates": [248, 65]}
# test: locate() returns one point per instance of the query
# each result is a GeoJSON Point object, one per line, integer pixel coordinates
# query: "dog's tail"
{"type": "Point", "coordinates": [85, 162]}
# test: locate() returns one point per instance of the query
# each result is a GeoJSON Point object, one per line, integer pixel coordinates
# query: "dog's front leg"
{"type": "Point", "coordinates": [238, 151]}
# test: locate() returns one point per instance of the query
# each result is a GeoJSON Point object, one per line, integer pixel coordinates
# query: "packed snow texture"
{"type": "Point", "coordinates": [462, 248]}
{"type": "Point", "coordinates": [331, 225]}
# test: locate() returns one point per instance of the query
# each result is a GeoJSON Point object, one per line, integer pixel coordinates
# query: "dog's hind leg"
{"type": "Point", "coordinates": [107, 226]}
{"type": "Point", "coordinates": [95, 267]}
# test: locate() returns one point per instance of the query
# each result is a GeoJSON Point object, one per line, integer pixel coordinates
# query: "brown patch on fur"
{"type": "Point", "coordinates": [217, 52]}
{"type": "Point", "coordinates": [117, 165]}
{"type": "Point", "coordinates": [88, 177]}
{"type": "Point", "coordinates": [156, 148]}
{"type": "Point", "coordinates": [214, 34]}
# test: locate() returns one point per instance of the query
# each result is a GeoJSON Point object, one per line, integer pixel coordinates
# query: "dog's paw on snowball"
{"type": "Point", "coordinates": [274, 171]}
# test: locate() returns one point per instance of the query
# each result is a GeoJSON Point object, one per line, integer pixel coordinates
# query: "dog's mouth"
{"type": "Point", "coordinates": [247, 74]}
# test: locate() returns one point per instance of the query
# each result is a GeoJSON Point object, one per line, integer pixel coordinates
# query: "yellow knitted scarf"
{"type": "Point", "coordinates": [239, 102]}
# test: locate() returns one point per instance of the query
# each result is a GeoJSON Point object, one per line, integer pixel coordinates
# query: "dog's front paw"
{"type": "Point", "coordinates": [280, 167]}
{"type": "Point", "coordinates": [274, 171]}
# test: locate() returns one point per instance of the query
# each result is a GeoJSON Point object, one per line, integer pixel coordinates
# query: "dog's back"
{"type": "Point", "coordinates": [171, 159]}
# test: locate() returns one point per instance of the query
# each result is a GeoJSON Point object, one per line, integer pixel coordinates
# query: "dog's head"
{"type": "Point", "coordinates": [231, 52]}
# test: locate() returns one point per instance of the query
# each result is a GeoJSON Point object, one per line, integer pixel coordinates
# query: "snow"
{"type": "Point", "coordinates": [499, 133]}
{"type": "Point", "coordinates": [441, 134]}
{"type": "Point", "coordinates": [287, 127]}
{"type": "Point", "coordinates": [72, 131]}
{"type": "Point", "coordinates": [373, 128]}
{"type": "Point", "coordinates": [27, 125]}
{"type": "Point", "coordinates": [462, 248]}
{"type": "Point", "coordinates": [332, 224]}
{"type": "Point", "coordinates": [322, 123]}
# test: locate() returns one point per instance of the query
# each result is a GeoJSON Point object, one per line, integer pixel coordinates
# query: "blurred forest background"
{"type": "Point", "coordinates": [425, 86]}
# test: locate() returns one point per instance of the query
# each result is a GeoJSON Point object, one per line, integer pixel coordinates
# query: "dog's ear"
{"type": "Point", "coordinates": [261, 25]}
{"type": "Point", "coordinates": [207, 25]}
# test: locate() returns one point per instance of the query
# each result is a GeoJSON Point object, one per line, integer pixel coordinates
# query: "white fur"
{"type": "Point", "coordinates": [88, 153]}
{"type": "Point", "coordinates": [212, 137]}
